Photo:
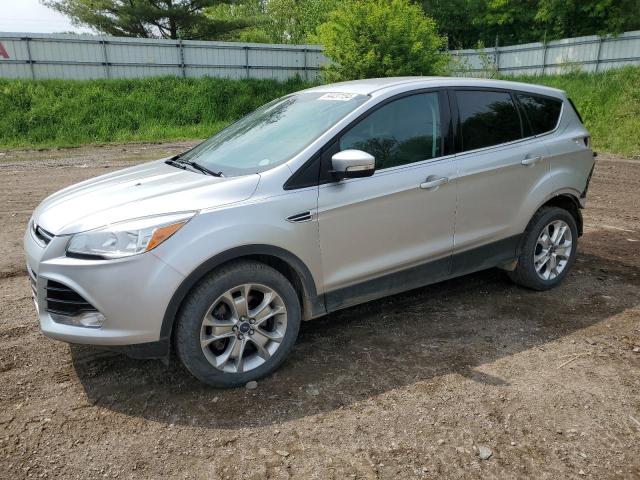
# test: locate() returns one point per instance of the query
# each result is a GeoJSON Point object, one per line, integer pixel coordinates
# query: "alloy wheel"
{"type": "Point", "coordinates": [553, 250]}
{"type": "Point", "coordinates": [243, 328]}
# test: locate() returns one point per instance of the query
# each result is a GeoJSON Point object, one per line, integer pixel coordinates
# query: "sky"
{"type": "Point", "coordinates": [33, 17]}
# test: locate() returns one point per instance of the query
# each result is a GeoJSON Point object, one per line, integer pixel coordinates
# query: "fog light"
{"type": "Point", "coordinates": [87, 319]}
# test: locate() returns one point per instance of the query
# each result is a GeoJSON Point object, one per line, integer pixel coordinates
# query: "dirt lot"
{"type": "Point", "coordinates": [407, 387]}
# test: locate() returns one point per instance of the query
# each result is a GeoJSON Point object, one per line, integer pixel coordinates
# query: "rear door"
{"type": "Point", "coordinates": [503, 177]}
{"type": "Point", "coordinates": [399, 218]}
{"type": "Point", "coordinates": [571, 159]}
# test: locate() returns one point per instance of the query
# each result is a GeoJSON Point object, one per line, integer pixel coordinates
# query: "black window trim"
{"type": "Point", "coordinates": [295, 182]}
{"type": "Point", "coordinates": [575, 109]}
{"type": "Point", "coordinates": [456, 116]}
{"type": "Point", "coordinates": [522, 116]}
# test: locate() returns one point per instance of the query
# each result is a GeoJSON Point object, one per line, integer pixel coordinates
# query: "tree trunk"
{"type": "Point", "coordinates": [173, 28]}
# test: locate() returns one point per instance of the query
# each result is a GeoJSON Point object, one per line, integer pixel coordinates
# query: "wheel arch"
{"type": "Point", "coordinates": [278, 258]}
{"type": "Point", "coordinates": [565, 200]}
{"type": "Point", "coordinates": [569, 202]}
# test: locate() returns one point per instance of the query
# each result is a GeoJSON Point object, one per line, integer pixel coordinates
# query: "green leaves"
{"type": "Point", "coordinates": [468, 22]}
{"type": "Point", "coordinates": [381, 38]}
{"type": "Point", "coordinates": [572, 18]}
{"type": "Point", "coordinates": [276, 21]}
{"type": "Point", "coordinates": [149, 18]}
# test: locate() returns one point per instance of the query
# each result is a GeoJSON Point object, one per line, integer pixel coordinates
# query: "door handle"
{"type": "Point", "coordinates": [432, 183]}
{"type": "Point", "coordinates": [531, 161]}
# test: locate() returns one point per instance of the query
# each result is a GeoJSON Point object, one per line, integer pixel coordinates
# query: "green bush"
{"type": "Point", "coordinates": [381, 38]}
{"type": "Point", "coordinates": [61, 113]}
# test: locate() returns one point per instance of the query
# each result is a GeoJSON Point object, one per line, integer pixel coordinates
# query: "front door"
{"type": "Point", "coordinates": [394, 230]}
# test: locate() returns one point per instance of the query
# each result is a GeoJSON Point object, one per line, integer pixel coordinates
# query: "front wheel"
{"type": "Point", "coordinates": [548, 251]}
{"type": "Point", "coordinates": [238, 324]}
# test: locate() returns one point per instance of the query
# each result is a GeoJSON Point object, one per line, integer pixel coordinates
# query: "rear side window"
{"type": "Point", "coordinates": [542, 112]}
{"type": "Point", "coordinates": [404, 131]}
{"type": "Point", "coordinates": [487, 118]}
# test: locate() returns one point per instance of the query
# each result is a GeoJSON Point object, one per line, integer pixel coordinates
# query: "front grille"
{"type": "Point", "coordinates": [65, 301]}
{"type": "Point", "coordinates": [42, 235]}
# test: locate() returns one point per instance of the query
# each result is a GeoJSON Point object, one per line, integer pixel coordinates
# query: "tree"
{"type": "Point", "coordinates": [295, 21]}
{"type": "Point", "coordinates": [250, 12]}
{"type": "Point", "coordinates": [511, 21]}
{"type": "Point", "coordinates": [573, 18]}
{"type": "Point", "coordinates": [276, 21]}
{"type": "Point", "coordinates": [468, 22]}
{"type": "Point", "coordinates": [148, 18]}
{"type": "Point", "coordinates": [457, 19]}
{"type": "Point", "coordinates": [381, 38]}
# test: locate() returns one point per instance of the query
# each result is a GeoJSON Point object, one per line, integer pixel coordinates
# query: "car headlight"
{"type": "Point", "coordinates": [127, 238]}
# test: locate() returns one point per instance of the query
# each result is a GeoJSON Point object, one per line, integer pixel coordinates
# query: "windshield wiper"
{"type": "Point", "coordinates": [195, 165]}
{"type": "Point", "coordinates": [202, 168]}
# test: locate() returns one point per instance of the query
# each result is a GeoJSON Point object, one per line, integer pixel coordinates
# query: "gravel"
{"type": "Point", "coordinates": [407, 384]}
{"type": "Point", "coordinates": [484, 453]}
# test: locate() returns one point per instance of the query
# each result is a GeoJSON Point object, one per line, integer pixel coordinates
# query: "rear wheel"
{"type": "Point", "coordinates": [548, 250]}
{"type": "Point", "coordinates": [238, 324]}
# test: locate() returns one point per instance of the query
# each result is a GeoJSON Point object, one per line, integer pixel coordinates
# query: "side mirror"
{"type": "Point", "coordinates": [352, 164]}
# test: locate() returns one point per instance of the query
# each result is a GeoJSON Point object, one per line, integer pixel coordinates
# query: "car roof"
{"type": "Point", "coordinates": [373, 86]}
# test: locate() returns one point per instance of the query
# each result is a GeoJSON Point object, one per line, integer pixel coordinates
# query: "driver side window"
{"type": "Point", "coordinates": [404, 131]}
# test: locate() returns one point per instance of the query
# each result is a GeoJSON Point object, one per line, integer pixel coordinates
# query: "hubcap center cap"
{"type": "Point", "coordinates": [244, 327]}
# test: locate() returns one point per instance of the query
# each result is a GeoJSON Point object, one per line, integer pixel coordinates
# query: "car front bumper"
{"type": "Point", "coordinates": [131, 293]}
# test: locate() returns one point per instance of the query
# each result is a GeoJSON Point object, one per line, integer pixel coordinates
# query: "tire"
{"type": "Point", "coordinates": [214, 313]}
{"type": "Point", "coordinates": [533, 246]}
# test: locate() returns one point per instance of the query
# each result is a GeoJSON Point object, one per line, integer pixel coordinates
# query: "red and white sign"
{"type": "Point", "coordinates": [3, 51]}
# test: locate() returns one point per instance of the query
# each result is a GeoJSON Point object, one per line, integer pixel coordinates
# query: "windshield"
{"type": "Point", "coordinates": [273, 134]}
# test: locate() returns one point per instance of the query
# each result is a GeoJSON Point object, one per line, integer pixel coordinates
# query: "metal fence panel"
{"type": "Point", "coordinates": [202, 56]}
{"type": "Point", "coordinates": [590, 54]}
{"type": "Point", "coordinates": [44, 56]}
{"type": "Point", "coordinates": [624, 51]}
{"type": "Point", "coordinates": [524, 57]}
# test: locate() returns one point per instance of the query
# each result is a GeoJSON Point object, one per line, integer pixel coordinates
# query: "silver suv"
{"type": "Point", "coordinates": [317, 201]}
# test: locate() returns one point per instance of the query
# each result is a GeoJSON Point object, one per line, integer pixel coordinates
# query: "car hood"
{"type": "Point", "coordinates": [149, 189]}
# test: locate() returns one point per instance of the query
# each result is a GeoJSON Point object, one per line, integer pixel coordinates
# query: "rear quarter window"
{"type": "Point", "coordinates": [487, 118]}
{"type": "Point", "coordinates": [542, 113]}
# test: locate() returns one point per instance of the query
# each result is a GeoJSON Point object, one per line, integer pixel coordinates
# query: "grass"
{"type": "Point", "coordinates": [63, 113]}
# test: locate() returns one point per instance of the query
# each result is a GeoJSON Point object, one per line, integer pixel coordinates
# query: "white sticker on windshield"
{"type": "Point", "coordinates": [338, 97]}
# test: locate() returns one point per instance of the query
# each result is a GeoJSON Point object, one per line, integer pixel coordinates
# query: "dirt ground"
{"type": "Point", "coordinates": [406, 387]}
